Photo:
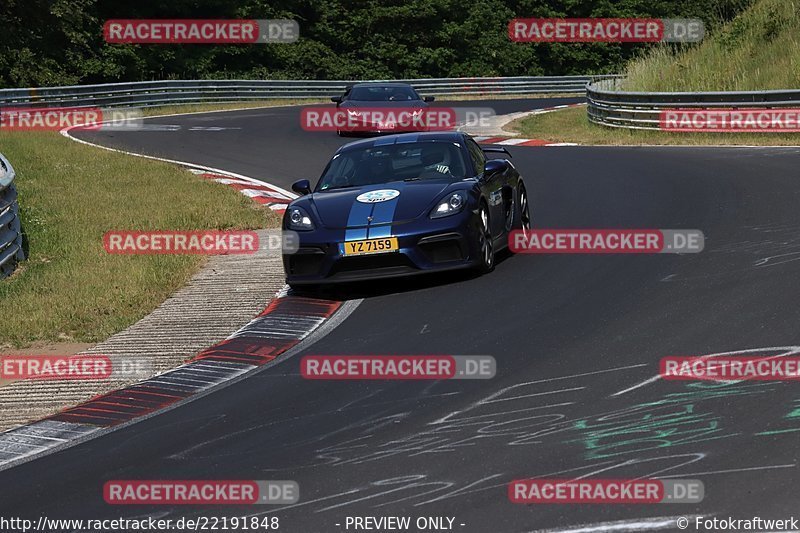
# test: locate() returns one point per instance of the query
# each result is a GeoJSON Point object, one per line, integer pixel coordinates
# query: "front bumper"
{"type": "Point", "coordinates": [373, 128]}
{"type": "Point", "coordinates": [425, 245]}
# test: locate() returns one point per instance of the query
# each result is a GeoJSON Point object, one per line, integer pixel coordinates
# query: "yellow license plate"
{"type": "Point", "coordinates": [370, 246]}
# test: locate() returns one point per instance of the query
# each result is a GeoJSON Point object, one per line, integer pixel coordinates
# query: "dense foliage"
{"type": "Point", "coordinates": [59, 42]}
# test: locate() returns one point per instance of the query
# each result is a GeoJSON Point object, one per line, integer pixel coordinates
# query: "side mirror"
{"type": "Point", "coordinates": [495, 166]}
{"type": "Point", "coordinates": [336, 99]}
{"type": "Point", "coordinates": [302, 187]}
{"type": "Point", "coordinates": [429, 99]}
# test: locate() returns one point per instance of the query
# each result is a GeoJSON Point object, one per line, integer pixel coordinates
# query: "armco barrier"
{"type": "Point", "coordinates": [609, 106]}
{"type": "Point", "coordinates": [10, 232]}
{"type": "Point", "coordinates": [154, 93]}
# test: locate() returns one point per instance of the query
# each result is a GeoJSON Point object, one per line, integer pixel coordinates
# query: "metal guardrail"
{"type": "Point", "coordinates": [609, 106]}
{"type": "Point", "coordinates": [10, 232]}
{"type": "Point", "coordinates": [155, 93]}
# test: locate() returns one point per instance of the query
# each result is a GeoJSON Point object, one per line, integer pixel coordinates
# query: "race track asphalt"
{"type": "Point", "coordinates": [577, 339]}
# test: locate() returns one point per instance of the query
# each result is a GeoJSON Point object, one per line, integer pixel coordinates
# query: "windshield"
{"type": "Point", "coordinates": [404, 161]}
{"type": "Point", "coordinates": [383, 94]}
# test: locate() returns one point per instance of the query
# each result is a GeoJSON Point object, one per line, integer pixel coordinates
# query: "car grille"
{"type": "Point", "coordinates": [444, 248]}
{"type": "Point", "coordinates": [307, 262]}
{"type": "Point", "coordinates": [371, 262]}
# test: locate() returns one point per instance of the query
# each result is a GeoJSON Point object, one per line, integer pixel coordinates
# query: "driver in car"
{"type": "Point", "coordinates": [375, 169]}
{"type": "Point", "coordinates": [398, 95]}
{"type": "Point", "coordinates": [436, 159]}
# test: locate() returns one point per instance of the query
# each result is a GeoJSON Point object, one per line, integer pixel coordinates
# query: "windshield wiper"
{"type": "Point", "coordinates": [338, 187]}
{"type": "Point", "coordinates": [440, 177]}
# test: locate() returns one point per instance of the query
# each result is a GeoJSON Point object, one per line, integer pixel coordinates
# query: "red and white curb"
{"type": "Point", "coordinates": [515, 141]}
{"type": "Point", "coordinates": [556, 108]}
{"type": "Point", "coordinates": [276, 198]}
{"type": "Point", "coordinates": [263, 193]}
{"type": "Point", "coordinates": [277, 331]}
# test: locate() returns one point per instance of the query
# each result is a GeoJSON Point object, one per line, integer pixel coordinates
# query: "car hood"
{"type": "Point", "coordinates": [341, 208]}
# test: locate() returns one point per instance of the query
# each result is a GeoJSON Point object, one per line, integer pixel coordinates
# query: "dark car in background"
{"type": "Point", "coordinates": [404, 204]}
{"type": "Point", "coordinates": [364, 97]}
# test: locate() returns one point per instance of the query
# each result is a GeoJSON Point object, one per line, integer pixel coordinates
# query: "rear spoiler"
{"type": "Point", "coordinates": [498, 149]}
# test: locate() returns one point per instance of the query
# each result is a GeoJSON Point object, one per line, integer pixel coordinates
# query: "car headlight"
{"type": "Point", "coordinates": [299, 220]}
{"type": "Point", "coordinates": [450, 205]}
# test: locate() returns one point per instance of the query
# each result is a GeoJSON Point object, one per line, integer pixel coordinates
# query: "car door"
{"type": "Point", "coordinates": [492, 187]}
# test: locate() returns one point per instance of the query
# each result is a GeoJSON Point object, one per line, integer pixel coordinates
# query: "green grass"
{"type": "Point", "coordinates": [758, 50]}
{"type": "Point", "coordinates": [572, 125]}
{"type": "Point", "coordinates": [69, 289]}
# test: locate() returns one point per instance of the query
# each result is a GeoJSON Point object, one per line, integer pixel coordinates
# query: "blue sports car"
{"type": "Point", "coordinates": [404, 204]}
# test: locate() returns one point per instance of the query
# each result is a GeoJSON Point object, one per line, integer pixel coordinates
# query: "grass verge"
{"type": "Point", "coordinates": [757, 50]}
{"type": "Point", "coordinates": [571, 125]}
{"type": "Point", "coordinates": [69, 289]}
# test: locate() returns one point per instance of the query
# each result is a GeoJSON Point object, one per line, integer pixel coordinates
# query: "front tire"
{"type": "Point", "coordinates": [523, 212]}
{"type": "Point", "coordinates": [485, 244]}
